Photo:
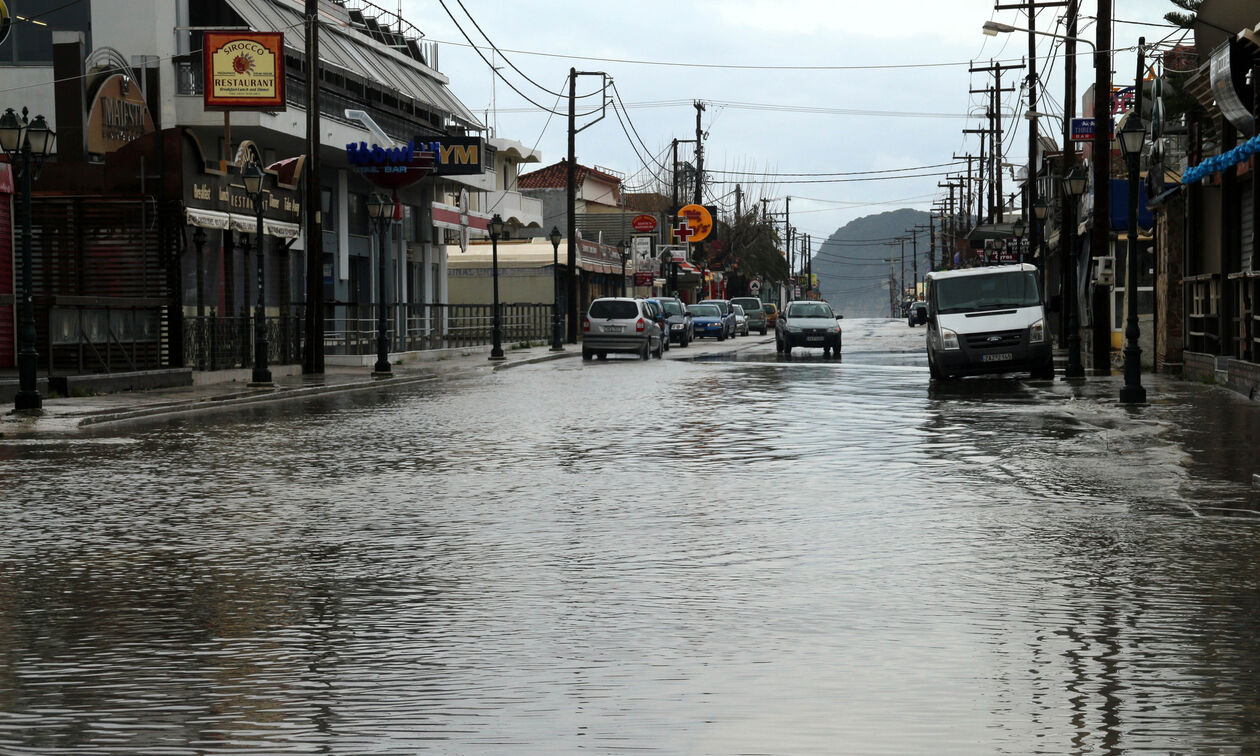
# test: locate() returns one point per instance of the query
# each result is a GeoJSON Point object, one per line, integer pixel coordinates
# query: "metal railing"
{"type": "Point", "coordinates": [92, 335]}
{"type": "Point", "coordinates": [225, 343]}
{"type": "Point", "coordinates": [352, 329]}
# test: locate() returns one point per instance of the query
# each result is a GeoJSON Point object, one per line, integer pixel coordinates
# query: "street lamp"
{"type": "Point", "coordinates": [1040, 210]}
{"type": "Point", "coordinates": [30, 141]}
{"type": "Point", "coordinates": [557, 335]}
{"type": "Point", "coordinates": [1073, 186]}
{"type": "Point", "coordinates": [1132, 134]}
{"type": "Point", "coordinates": [623, 249]}
{"type": "Point", "coordinates": [994, 28]}
{"type": "Point", "coordinates": [496, 348]}
{"type": "Point", "coordinates": [253, 176]}
{"type": "Point", "coordinates": [381, 210]}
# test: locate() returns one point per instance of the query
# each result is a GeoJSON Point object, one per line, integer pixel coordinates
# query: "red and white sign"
{"type": "Point", "coordinates": [461, 219]}
{"type": "Point", "coordinates": [643, 279]}
{"type": "Point", "coordinates": [643, 223]}
{"type": "Point", "coordinates": [754, 286]}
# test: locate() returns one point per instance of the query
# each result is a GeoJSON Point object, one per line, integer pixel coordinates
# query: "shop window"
{"type": "Point", "coordinates": [327, 210]}
{"type": "Point", "coordinates": [30, 42]}
{"type": "Point", "coordinates": [359, 223]}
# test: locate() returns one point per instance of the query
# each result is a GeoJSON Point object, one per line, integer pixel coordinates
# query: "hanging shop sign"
{"type": "Point", "coordinates": [1225, 87]}
{"type": "Point", "coordinates": [460, 219]}
{"type": "Point", "coordinates": [118, 115]}
{"type": "Point", "coordinates": [244, 70]}
{"type": "Point", "coordinates": [643, 224]}
{"type": "Point", "coordinates": [454, 156]}
{"type": "Point", "coordinates": [698, 219]}
{"type": "Point", "coordinates": [1083, 129]}
{"type": "Point", "coordinates": [6, 21]}
{"type": "Point", "coordinates": [392, 167]}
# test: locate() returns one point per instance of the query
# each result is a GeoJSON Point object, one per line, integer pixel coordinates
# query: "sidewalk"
{"type": "Point", "coordinates": [70, 415]}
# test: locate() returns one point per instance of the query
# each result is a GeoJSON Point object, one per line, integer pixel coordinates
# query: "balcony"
{"type": "Point", "coordinates": [526, 210]}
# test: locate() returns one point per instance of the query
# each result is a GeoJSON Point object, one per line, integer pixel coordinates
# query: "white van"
{"type": "Point", "coordinates": [987, 320]}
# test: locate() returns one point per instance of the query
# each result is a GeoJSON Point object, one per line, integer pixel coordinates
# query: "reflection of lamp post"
{"type": "Point", "coordinates": [1018, 230]}
{"type": "Point", "coordinates": [496, 348]}
{"type": "Point", "coordinates": [1131, 136]}
{"type": "Point", "coordinates": [381, 210]}
{"type": "Point", "coordinates": [623, 249]}
{"type": "Point", "coordinates": [25, 139]}
{"type": "Point", "coordinates": [1073, 186]}
{"type": "Point", "coordinates": [253, 177]}
{"type": "Point", "coordinates": [557, 335]}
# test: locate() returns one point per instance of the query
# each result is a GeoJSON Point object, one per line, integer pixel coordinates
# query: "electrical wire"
{"type": "Point", "coordinates": [840, 173]}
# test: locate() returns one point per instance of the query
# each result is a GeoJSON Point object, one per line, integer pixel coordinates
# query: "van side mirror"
{"type": "Point", "coordinates": [839, 317]}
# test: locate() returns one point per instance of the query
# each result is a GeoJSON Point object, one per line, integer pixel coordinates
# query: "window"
{"type": "Point", "coordinates": [359, 223]}
{"type": "Point", "coordinates": [327, 210]}
{"type": "Point", "coordinates": [30, 43]}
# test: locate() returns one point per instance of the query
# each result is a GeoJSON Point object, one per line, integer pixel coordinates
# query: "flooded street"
{"type": "Point", "coordinates": [742, 554]}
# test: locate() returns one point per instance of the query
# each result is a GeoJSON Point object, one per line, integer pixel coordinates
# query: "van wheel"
{"type": "Point", "coordinates": [660, 350]}
{"type": "Point", "coordinates": [763, 331]}
{"type": "Point", "coordinates": [644, 351]}
{"type": "Point", "coordinates": [1045, 372]}
{"type": "Point", "coordinates": [602, 355]}
{"type": "Point", "coordinates": [587, 354]}
{"type": "Point", "coordinates": [934, 371]}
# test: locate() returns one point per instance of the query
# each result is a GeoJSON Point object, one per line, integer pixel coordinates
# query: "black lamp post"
{"type": "Point", "coordinates": [1074, 186]}
{"type": "Point", "coordinates": [253, 177]}
{"type": "Point", "coordinates": [557, 330]}
{"type": "Point", "coordinates": [1132, 134]}
{"type": "Point", "coordinates": [496, 230]}
{"type": "Point", "coordinates": [623, 249]}
{"type": "Point", "coordinates": [381, 210]}
{"type": "Point", "coordinates": [31, 141]}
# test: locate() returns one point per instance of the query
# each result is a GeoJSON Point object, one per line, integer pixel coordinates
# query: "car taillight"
{"type": "Point", "coordinates": [640, 326]}
{"type": "Point", "coordinates": [586, 325]}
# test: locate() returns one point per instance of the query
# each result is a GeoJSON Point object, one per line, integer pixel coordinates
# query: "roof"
{"type": "Point", "coordinates": [984, 270]}
{"type": "Point", "coordinates": [554, 176]}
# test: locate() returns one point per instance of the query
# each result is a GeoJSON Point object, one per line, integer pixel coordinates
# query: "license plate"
{"type": "Point", "coordinates": [813, 338]}
{"type": "Point", "coordinates": [999, 357]}
{"type": "Point", "coordinates": [613, 329]}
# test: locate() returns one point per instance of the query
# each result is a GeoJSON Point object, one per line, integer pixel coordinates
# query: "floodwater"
{"type": "Point", "coordinates": [751, 555]}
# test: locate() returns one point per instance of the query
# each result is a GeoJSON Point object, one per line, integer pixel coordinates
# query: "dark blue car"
{"type": "Point", "coordinates": [708, 320]}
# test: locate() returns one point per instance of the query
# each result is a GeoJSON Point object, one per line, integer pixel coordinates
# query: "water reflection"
{"type": "Point", "coordinates": [712, 557]}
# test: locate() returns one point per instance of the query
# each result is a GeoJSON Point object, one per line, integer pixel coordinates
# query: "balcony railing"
{"type": "Point", "coordinates": [515, 205]}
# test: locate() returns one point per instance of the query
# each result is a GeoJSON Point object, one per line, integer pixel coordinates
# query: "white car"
{"type": "Point", "coordinates": [741, 320]}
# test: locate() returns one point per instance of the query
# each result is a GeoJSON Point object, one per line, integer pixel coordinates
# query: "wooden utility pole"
{"type": "Point", "coordinates": [313, 355]}
{"type": "Point", "coordinates": [570, 179]}
{"type": "Point", "coordinates": [995, 127]}
{"type": "Point", "coordinates": [1100, 245]}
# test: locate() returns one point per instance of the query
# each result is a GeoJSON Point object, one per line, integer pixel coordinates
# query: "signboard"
{"type": "Point", "coordinates": [118, 115]}
{"type": "Point", "coordinates": [244, 70]}
{"type": "Point", "coordinates": [643, 279]}
{"type": "Point", "coordinates": [698, 219]}
{"type": "Point", "coordinates": [643, 223]}
{"type": "Point", "coordinates": [1225, 89]}
{"type": "Point", "coordinates": [6, 21]}
{"type": "Point", "coordinates": [1083, 129]}
{"type": "Point", "coordinates": [460, 219]}
{"type": "Point", "coordinates": [389, 167]}
{"type": "Point", "coordinates": [754, 286]}
{"type": "Point", "coordinates": [454, 156]}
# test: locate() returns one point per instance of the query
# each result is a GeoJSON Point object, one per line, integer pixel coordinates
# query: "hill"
{"type": "Point", "coordinates": [852, 264]}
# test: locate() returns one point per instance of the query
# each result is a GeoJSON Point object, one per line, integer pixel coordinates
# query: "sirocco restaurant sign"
{"type": "Point", "coordinates": [244, 70]}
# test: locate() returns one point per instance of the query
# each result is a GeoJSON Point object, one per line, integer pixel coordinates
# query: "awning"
{"type": "Point", "coordinates": [246, 224]}
{"type": "Point", "coordinates": [344, 47]}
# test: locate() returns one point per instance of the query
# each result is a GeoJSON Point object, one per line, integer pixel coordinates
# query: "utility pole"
{"type": "Point", "coordinates": [981, 167]}
{"type": "Point", "coordinates": [1067, 233]}
{"type": "Point", "coordinates": [809, 267]}
{"type": "Point", "coordinates": [699, 188]}
{"type": "Point", "coordinates": [892, 284]}
{"type": "Point", "coordinates": [931, 242]}
{"type": "Point", "coordinates": [573, 305]}
{"type": "Point", "coordinates": [995, 122]}
{"type": "Point", "coordinates": [313, 356]}
{"type": "Point", "coordinates": [787, 227]}
{"type": "Point", "coordinates": [1101, 158]}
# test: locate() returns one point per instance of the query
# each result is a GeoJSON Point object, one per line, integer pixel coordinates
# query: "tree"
{"type": "Point", "coordinates": [752, 251]}
{"type": "Point", "coordinates": [1184, 20]}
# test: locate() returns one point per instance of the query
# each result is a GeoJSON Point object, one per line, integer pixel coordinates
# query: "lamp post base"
{"type": "Point", "coordinates": [497, 356]}
{"type": "Point", "coordinates": [556, 348]}
{"type": "Point", "coordinates": [267, 384]}
{"type": "Point", "coordinates": [380, 375]}
{"type": "Point", "coordinates": [28, 402]}
{"type": "Point", "coordinates": [1132, 395]}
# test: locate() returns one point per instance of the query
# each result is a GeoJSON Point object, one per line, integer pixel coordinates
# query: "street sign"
{"type": "Point", "coordinates": [1083, 129]}
{"type": "Point", "coordinates": [643, 223]}
{"type": "Point", "coordinates": [754, 286]}
{"type": "Point", "coordinates": [643, 279]}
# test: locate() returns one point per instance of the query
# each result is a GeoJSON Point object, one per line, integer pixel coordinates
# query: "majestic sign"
{"type": "Point", "coordinates": [118, 115]}
{"type": "Point", "coordinates": [454, 156]}
{"type": "Point", "coordinates": [390, 167]}
{"type": "Point", "coordinates": [643, 223]}
{"type": "Point", "coordinates": [244, 70]}
{"type": "Point", "coordinates": [6, 22]}
{"type": "Point", "coordinates": [698, 219]}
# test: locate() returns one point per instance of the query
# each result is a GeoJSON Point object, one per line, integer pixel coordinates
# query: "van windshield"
{"type": "Point", "coordinates": [995, 291]}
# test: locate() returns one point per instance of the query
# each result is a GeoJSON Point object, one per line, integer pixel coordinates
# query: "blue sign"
{"type": "Point", "coordinates": [1083, 129]}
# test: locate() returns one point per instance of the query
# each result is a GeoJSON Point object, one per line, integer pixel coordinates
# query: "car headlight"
{"type": "Point", "coordinates": [949, 339]}
{"type": "Point", "coordinates": [794, 329]}
{"type": "Point", "coordinates": [1037, 332]}
{"type": "Point", "coordinates": [676, 326]}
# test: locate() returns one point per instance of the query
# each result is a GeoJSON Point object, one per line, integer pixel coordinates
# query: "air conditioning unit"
{"type": "Point", "coordinates": [1104, 271]}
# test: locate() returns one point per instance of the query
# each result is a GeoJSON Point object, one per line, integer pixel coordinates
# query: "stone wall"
{"type": "Point", "coordinates": [1197, 366]}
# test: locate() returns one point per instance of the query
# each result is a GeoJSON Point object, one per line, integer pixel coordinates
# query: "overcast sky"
{"type": "Point", "coordinates": [929, 101]}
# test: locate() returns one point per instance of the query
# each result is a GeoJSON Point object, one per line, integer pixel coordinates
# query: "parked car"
{"type": "Point", "coordinates": [741, 320]}
{"type": "Point", "coordinates": [756, 315]}
{"type": "Point", "coordinates": [808, 323]}
{"type": "Point", "coordinates": [772, 314]}
{"type": "Point", "coordinates": [987, 320]}
{"type": "Point", "coordinates": [707, 320]}
{"type": "Point", "coordinates": [679, 320]}
{"type": "Point", "coordinates": [728, 315]}
{"type": "Point", "coordinates": [918, 314]}
{"type": "Point", "coordinates": [658, 314]}
{"type": "Point", "coordinates": [620, 324]}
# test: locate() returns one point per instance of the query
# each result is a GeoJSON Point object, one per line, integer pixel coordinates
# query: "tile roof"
{"type": "Point", "coordinates": [553, 176]}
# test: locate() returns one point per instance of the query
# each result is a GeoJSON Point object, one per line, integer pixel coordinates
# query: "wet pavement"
{"type": "Point", "coordinates": [713, 553]}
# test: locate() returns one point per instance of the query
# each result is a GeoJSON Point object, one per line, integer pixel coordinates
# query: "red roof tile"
{"type": "Point", "coordinates": [553, 176]}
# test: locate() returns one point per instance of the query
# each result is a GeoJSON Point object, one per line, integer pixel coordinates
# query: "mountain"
{"type": "Point", "coordinates": [852, 265]}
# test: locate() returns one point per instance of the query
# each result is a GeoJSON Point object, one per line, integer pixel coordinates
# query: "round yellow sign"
{"type": "Point", "coordinates": [698, 220]}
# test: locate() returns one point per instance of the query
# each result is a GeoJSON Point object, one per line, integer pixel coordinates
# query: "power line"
{"type": "Point", "coordinates": [840, 173]}
{"type": "Point", "coordinates": [831, 181]}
